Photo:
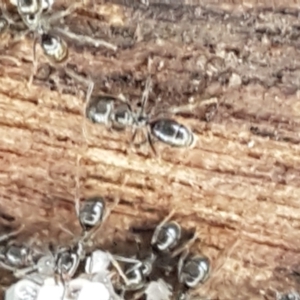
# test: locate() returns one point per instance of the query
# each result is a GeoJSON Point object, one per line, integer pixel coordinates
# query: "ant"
{"type": "Point", "coordinates": [39, 19]}
{"type": "Point", "coordinates": [165, 247]}
{"type": "Point", "coordinates": [117, 113]}
{"type": "Point", "coordinates": [14, 256]}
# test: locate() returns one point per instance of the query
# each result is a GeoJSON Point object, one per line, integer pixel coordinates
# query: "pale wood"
{"type": "Point", "coordinates": [239, 185]}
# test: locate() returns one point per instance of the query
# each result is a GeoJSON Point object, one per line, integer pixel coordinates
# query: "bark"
{"type": "Point", "coordinates": [238, 186]}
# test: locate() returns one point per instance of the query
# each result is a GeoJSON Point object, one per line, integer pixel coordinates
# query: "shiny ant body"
{"type": "Point", "coordinates": [117, 113]}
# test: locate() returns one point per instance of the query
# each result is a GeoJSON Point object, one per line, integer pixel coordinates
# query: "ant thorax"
{"type": "Point", "coordinates": [142, 120]}
{"type": "Point", "coordinates": [100, 109]}
{"type": "Point", "coordinates": [122, 117]}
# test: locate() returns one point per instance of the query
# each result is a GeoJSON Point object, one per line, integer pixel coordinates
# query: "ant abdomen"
{"type": "Point", "coordinates": [172, 133]}
{"type": "Point", "coordinates": [27, 7]}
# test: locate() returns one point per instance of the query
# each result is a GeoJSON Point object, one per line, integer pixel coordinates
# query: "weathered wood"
{"type": "Point", "coordinates": [239, 185]}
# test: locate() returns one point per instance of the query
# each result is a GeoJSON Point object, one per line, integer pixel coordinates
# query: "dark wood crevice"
{"type": "Point", "coordinates": [238, 186]}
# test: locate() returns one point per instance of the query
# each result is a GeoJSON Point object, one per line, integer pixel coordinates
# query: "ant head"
{"type": "Point", "coordinates": [54, 47]}
{"type": "Point", "coordinates": [166, 236]}
{"type": "Point", "coordinates": [92, 212]}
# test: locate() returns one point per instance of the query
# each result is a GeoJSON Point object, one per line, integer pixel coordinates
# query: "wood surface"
{"type": "Point", "coordinates": [238, 186]}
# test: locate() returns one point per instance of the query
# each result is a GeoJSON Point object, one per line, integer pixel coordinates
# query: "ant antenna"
{"type": "Point", "coordinates": [186, 246]}
{"type": "Point", "coordinates": [145, 95]}
{"type": "Point", "coordinates": [89, 93]}
{"type": "Point", "coordinates": [34, 59]}
{"type": "Point", "coordinates": [139, 115]}
{"type": "Point", "coordinates": [118, 268]}
{"type": "Point", "coordinates": [77, 185]}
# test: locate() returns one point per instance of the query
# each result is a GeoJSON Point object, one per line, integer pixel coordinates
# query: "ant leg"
{"type": "Point", "coordinates": [122, 98]}
{"type": "Point", "coordinates": [139, 294]}
{"type": "Point", "coordinates": [4, 25]}
{"type": "Point", "coordinates": [75, 264]}
{"type": "Point", "coordinates": [145, 95]}
{"type": "Point", "coordinates": [22, 272]}
{"type": "Point", "coordinates": [83, 39]}
{"type": "Point", "coordinates": [63, 249]}
{"type": "Point", "coordinates": [115, 204]}
{"type": "Point", "coordinates": [63, 13]}
{"type": "Point", "coordinates": [87, 101]}
{"type": "Point", "coordinates": [77, 187]}
{"type": "Point", "coordinates": [134, 267]}
{"type": "Point", "coordinates": [7, 267]}
{"type": "Point", "coordinates": [65, 230]}
{"type": "Point", "coordinates": [64, 285]}
{"type": "Point", "coordinates": [3, 8]}
{"type": "Point", "coordinates": [118, 268]}
{"type": "Point", "coordinates": [150, 141]}
{"type": "Point", "coordinates": [123, 292]}
{"type": "Point", "coordinates": [161, 224]}
{"type": "Point", "coordinates": [138, 243]}
{"type": "Point", "coordinates": [90, 83]}
{"type": "Point", "coordinates": [126, 260]}
{"type": "Point", "coordinates": [182, 258]}
{"type": "Point", "coordinates": [185, 246]}
{"type": "Point", "coordinates": [65, 289]}
{"type": "Point", "coordinates": [13, 233]}
{"type": "Point", "coordinates": [147, 139]}
{"type": "Point", "coordinates": [208, 105]}
{"type": "Point", "coordinates": [190, 107]}
{"type": "Point", "coordinates": [34, 61]}
{"type": "Point", "coordinates": [133, 137]}
{"type": "Point", "coordinates": [89, 92]}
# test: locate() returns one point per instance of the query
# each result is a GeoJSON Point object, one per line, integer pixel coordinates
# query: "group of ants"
{"type": "Point", "coordinates": [103, 275]}
{"type": "Point", "coordinates": [71, 272]}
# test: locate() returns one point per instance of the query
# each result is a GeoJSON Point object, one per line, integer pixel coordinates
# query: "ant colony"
{"type": "Point", "coordinates": [163, 270]}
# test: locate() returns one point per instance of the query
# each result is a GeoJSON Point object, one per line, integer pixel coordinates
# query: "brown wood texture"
{"type": "Point", "coordinates": [239, 185]}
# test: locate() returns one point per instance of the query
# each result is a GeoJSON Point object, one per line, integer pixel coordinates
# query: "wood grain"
{"type": "Point", "coordinates": [239, 185]}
